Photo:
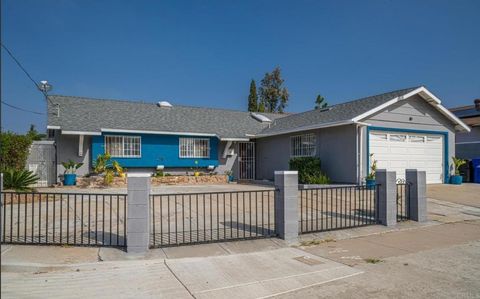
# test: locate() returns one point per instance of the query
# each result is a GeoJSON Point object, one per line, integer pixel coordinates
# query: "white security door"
{"type": "Point", "coordinates": [398, 151]}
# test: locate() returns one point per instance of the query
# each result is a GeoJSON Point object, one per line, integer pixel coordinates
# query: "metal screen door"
{"type": "Point", "coordinates": [246, 160]}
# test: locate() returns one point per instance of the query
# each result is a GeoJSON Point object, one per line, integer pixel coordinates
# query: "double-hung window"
{"type": "Point", "coordinates": [303, 145]}
{"type": "Point", "coordinates": [194, 148]}
{"type": "Point", "coordinates": [123, 146]}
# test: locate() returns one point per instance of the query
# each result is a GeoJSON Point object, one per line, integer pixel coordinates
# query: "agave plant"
{"type": "Point", "coordinates": [19, 180]}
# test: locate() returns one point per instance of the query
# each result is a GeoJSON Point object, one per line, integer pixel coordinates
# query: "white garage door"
{"type": "Point", "coordinates": [398, 151]}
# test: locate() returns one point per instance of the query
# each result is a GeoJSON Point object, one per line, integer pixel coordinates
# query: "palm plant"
{"type": "Point", "coordinates": [19, 180]}
{"type": "Point", "coordinates": [71, 167]}
{"type": "Point", "coordinates": [373, 169]}
{"type": "Point", "coordinates": [457, 163]}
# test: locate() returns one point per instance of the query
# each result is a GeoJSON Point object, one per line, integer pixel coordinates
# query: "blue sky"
{"type": "Point", "coordinates": [204, 53]}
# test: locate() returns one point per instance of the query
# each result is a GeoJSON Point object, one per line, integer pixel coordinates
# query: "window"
{"type": "Point", "coordinates": [416, 139]}
{"type": "Point", "coordinates": [379, 136]}
{"type": "Point", "coordinates": [431, 139]}
{"type": "Point", "coordinates": [303, 145]}
{"type": "Point", "coordinates": [123, 146]}
{"type": "Point", "coordinates": [194, 148]}
{"type": "Point", "coordinates": [398, 137]}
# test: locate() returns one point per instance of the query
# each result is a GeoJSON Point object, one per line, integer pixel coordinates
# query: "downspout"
{"type": "Point", "coordinates": [359, 144]}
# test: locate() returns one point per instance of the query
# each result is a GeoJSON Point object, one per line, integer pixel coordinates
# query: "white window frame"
{"type": "Point", "coordinates": [192, 151]}
{"type": "Point", "coordinates": [298, 147]}
{"type": "Point", "coordinates": [123, 148]}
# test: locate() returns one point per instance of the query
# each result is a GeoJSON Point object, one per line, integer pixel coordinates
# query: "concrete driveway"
{"type": "Point", "coordinates": [465, 194]}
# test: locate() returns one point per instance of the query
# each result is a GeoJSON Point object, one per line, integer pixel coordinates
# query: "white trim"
{"type": "Point", "coordinates": [80, 145]}
{"type": "Point", "coordinates": [192, 143]}
{"type": "Point", "coordinates": [311, 127]}
{"type": "Point", "coordinates": [80, 133]}
{"type": "Point", "coordinates": [285, 172]}
{"type": "Point", "coordinates": [138, 175]}
{"type": "Point", "coordinates": [234, 139]}
{"type": "Point", "coordinates": [225, 150]}
{"type": "Point", "coordinates": [467, 142]}
{"type": "Point", "coordinates": [53, 127]}
{"type": "Point", "coordinates": [449, 114]}
{"type": "Point", "coordinates": [427, 96]}
{"type": "Point", "coordinates": [156, 132]}
{"type": "Point", "coordinates": [123, 146]}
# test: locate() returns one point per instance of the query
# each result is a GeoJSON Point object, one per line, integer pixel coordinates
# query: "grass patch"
{"type": "Point", "coordinates": [316, 242]}
{"type": "Point", "coordinates": [373, 260]}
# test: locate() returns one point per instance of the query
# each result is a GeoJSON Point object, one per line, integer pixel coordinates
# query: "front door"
{"type": "Point", "coordinates": [246, 160]}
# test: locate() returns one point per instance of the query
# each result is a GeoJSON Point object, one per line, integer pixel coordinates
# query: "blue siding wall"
{"type": "Point", "coordinates": [158, 150]}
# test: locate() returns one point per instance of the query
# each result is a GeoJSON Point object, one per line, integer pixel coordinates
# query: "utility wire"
{"type": "Point", "coordinates": [21, 109]}
{"type": "Point", "coordinates": [26, 73]}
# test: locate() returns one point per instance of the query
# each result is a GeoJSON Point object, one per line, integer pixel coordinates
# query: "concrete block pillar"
{"type": "Point", "coordinates": [138, 212]}
{"type": "Point", "coordinates": [286, 205]}
{"type": "Point", "coordinates": [1, 207]}
{"type": "Point", "coordinates": [387, 197]}
{"type": "Point", "coordinates": [417, 181]}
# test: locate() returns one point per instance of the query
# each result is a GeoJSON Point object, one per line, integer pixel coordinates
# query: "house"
{"type": "Point", "coordinates": [406, 128]}
{"type": "Point", "coordinates": [467, 144]}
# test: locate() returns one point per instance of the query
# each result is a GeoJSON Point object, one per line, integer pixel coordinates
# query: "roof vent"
{"type": "Point", "coordinates": [164, 104]}
{"type": "Point", "coordinates": [325, 109]}
{"type": "Point", "coordinates": [260, 117]}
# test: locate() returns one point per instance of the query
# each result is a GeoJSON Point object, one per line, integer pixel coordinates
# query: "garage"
{"type": "Point", "coordinates": [398, 151]}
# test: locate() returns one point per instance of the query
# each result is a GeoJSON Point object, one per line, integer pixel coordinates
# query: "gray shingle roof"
{"type": "Point", "coordinates": [91, 115]}
{"type": "Point", "coordinates": [336, 113]}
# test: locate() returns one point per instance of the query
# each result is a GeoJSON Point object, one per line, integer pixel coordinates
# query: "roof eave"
{"type": "Point", "coordinates": [307, 128]}
{"type": "Point", "coordinates": [428, 97]}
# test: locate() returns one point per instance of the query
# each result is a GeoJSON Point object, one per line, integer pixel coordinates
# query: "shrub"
{"type": "Point", "coordinates": [14, 150]}
{"type": "Point", "coordinates": [20, 180]}
{"type": "Point", "coordinates": [309, 170]}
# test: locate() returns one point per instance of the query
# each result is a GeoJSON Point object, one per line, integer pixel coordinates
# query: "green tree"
{"type": "Point", "coordinates": [273, 96]}
{"type": "Point", "coordinates": [253, 98]}
{"type": "Point", "coordinates": [320, 102]}
{"type": "Point", "coordinates": [33, 134]}
{"type": "Point", "coordinates": [14, 150]}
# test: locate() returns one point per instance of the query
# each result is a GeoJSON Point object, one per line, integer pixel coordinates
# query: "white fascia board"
{"type": "Point", "coordinates": [452, 116]}
{"type": "Point", "coordinates": [362, 123]}
{"type": "Point", "coordinates": [427, 96]}
{"type": "Point", "coordinates": [156, 132]}
{"type": "Point", "coordinates": [234, 139]}
{"type": "Point", "coordinates": [53, 127]}
{"type": "Point", "coordinates": [81, 133]}
{"type": "Point", "coordinates": [306, 128]}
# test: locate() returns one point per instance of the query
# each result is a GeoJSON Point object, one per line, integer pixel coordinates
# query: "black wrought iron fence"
{"type": "Point", "coordinates": [209, 217]}
{"type": "Point", "coordinates": [403, 201]}
{"type": "Point", "coordinates": [64, 218]}
{"type": "Point", "coordinates": [324, 209]}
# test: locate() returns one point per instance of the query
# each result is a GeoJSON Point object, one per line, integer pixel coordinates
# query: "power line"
{"type": "Point", "coordinates": [26, 73]}
{"type": "Point", "coordinates": [21, 109]}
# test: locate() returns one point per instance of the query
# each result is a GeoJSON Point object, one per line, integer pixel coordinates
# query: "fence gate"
{"type": "Point", "coordinates": [246, 160]}
{"type": "Point", "coordinates": [331, 208]}
{"type": "Point", "coordinates": [403, 200]}
{"type": "Point", "coordinates": [41, 160]}
{"type": "Point", "coordinates": [190, 218]}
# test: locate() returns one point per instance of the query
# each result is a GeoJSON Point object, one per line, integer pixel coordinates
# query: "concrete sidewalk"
{"type": "Point", "coordinates": [247, 269]}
